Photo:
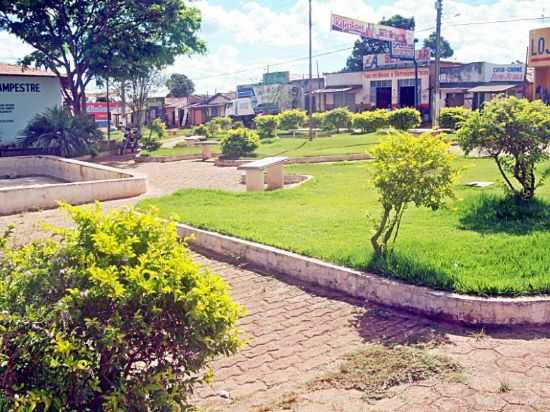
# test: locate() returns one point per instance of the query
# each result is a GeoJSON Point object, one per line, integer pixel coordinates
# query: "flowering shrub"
{"type": "Point", "coordinates": [111, 315]}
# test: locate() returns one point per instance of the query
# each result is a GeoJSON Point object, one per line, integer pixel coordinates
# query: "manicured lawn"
{"type": "Point", "coordinates": [176, 151]}
{"type": "Point", "coordinates": [463, 247]}
{"type": "Point", "coordinates": [298, 147]}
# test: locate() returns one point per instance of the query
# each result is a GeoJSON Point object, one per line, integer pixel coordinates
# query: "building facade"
{"type": "Point", "coordinates": [24, 93]}
{"type": "Point", "coordinates": [539, 60]}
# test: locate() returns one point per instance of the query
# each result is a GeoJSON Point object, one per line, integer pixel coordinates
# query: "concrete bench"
{"type": "Point", "coordinates": [205, 148]}
{"type": "Point", "coordinates": [305, 132]}
{"type": "Point", "coordinates": [274, 175]}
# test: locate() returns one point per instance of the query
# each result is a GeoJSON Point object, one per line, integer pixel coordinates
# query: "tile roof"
{"type": "Point", "coordinates": [14, 70]}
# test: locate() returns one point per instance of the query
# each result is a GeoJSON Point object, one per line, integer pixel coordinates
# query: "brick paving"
{"type": "Point", "coordinates": [296, 333]}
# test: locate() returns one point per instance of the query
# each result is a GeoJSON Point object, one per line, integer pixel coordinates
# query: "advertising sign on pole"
{"type": "Point", "coordinates": [375, 61]}
{"type": "Point", "coordinates": [405, 38]}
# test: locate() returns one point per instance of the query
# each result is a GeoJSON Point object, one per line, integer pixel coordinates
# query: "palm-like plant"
{"type": "Point", "coordinates": [57, 127]}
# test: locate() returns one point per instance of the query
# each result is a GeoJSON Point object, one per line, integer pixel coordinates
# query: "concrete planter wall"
{"type": "Point", "coordinates": [442, 305]}
{"type": "Point", "coordinates": [164, 159]}
{"type": "Point", "coordinates": [299, 160]}
{"type": "Point", "coordinates": [86, 182]}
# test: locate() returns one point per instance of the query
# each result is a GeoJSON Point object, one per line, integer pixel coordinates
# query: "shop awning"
{"type": "Point", "coordinates": [493, 88]}
{"type": "Point", "coordinates": [338, 89]}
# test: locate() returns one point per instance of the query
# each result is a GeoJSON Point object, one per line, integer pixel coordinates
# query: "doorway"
{"type": "Point", "coordinates": [383, 97]}
{"type": "Point", "coordinates": [406, 96]}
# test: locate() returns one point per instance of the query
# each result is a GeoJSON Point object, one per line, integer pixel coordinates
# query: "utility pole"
{"type": "Point", "coordinates": [310, 89]}
{"type": "Point", "coordinates": [435, 109]}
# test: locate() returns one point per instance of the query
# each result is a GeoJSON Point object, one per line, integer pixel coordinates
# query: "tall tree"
{"type": "Point", "coordinates": [137, 88]}
{"type": "Point", "coordinates": [180, 85]}
{"type": "Point", "coordinates": [446, 49]}
{"type": "Point", "coordinates": [366, 46]}
{"type": "Point", "coordinates": [81, 39]}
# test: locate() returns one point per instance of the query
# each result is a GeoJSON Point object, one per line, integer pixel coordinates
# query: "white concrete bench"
{"type": "Point", "coordinates": [205, 148]}
{"type": "Point", "coordinates": [273, 168]}
{"type": "Point", "coordinates": [192, 140]}
{"type": "Point", "coordinates": [305, 132]}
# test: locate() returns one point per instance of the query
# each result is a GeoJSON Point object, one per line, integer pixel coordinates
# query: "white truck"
{"type": "Point", "coordinates": [241, 109]}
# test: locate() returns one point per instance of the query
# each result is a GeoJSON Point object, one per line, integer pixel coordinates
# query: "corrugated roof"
{"type": "Point", "coordinates": [338, 89]}
{"type": "Point", "coordinates": [492, 88]}
{"type": "Point", "coordinates": [15, 70]}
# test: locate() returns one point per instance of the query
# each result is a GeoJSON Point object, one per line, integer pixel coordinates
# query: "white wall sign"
{"type": "Point", "coordinates": [21, 98]}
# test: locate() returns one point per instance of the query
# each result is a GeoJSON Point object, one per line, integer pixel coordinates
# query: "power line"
{"type": "Point", "coordinates": [330, 52]}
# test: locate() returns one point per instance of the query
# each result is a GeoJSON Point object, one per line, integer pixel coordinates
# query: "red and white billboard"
{"type": "Point", "coordinates": [402, 41]}
{"type": "Point", "coordinates": [99, 109]}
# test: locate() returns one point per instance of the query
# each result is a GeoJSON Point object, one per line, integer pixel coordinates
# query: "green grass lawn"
{"type": "Point", "coordinates": [463, 247]}
{"type": "Point", "coordinates": [297, 147]}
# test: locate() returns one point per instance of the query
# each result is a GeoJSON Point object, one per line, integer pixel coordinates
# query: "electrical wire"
{"type": "Point", "coordinates": [330, 52]}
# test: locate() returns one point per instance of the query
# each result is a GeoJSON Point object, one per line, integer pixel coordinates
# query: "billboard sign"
{"type": "Point", "coordinates": [98, 110]}
{"type": "Point", "coordinates": [505, 72]}
{"type": "Point", "coordinates": [539, 48]}
{"type": "Point", "coordinates": [376, 61]}
{"type": "Point", "coordinates": [401, 40]}
{"type": "Point", "coordinates": [276, 78]}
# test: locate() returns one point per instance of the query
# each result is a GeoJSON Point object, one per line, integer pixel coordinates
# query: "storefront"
{"type": "Point", "coordinates": [539, 59]}
{"type": "Point", "coordinates": [23, 94]}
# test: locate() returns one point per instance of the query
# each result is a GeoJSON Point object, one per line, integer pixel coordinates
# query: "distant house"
{"type": "Point", "coordinates": [208, 108]}
{"type": "Point", "coordinates": [175, 109]}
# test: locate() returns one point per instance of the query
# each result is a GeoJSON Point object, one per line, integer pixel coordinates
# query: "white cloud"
{"type": "Point", "coordinates": [250, 34]}
{"type": "Point", "coordinates": [11, 48]}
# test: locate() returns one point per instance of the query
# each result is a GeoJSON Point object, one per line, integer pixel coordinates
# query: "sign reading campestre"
{"type": "Point", "coordinates": [539, 48]}
{"type": "Point", "coordinates": [21, 98]}
{"type": "Point", "coordinates": [401, 40]}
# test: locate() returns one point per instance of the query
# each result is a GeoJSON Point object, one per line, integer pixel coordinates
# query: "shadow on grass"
{"type": "Point", "coordinates": [505, 214]}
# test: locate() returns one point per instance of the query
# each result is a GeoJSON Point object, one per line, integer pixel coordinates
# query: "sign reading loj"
{"type": "Point", "coordinates": [19, 87]}
{"type": "Point", "coordinates": [22, 98]}
{"type": "Point", "coordinates": [539, 48]}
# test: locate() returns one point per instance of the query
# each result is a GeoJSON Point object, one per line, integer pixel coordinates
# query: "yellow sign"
{"type": "Point", "coordinates": [539, 47]}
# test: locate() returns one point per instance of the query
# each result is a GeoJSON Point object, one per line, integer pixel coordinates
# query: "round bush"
{"type": "Point", "coordinates": [370, 122]}
{"type": "Point", "coordinates": [201, 130]}
{"type": "Point", "coordinates": [266, 125]}
{"type": "Point", "coordinates": [317, 120]}
{"type": "Point", "coordinates": [239, 142]}
{"type": "Point", "coordinates": [336, 119]}
{"type": "Point", "coordinates": [292, 119]}
{"type": "Point", "coordinates": [404, 119]}
{"type": "Point", "coordinates": [111, 315]}
{"type": "Point", "coordinates": [453, 117]}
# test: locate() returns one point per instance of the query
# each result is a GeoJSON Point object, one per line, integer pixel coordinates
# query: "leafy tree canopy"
{"type": "Point", "coordinates": [366, 46]}
{"type": "Point", "coordinates": [446, 49]}
{"type": "Point", "coordinates": [81, 39]}
{"type": "Point", "coordinates": [180, 85]}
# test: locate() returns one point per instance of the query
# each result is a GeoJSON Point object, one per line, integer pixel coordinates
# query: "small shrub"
{"type": "Point", "coordinates": [57, 127]}
{"type": "Point", "coordinates": [408, 170]}
{"type": "Point", "coordinates": [237, 124]}
{"type": "Point", "coordinates": [292, 119]}
{"type": "Point", "coordinates": [404, 119]}
{"type": "Point", "coordinates": [370, 122]}
{"type": "Point", "coordinates": [219, 124]}
{"type": "Point", "coordinates": [239, 142]}
{"type": "Point", "coordinates": [201, 130]}
{"type": "Point", "coordinates": [453, 117]}
{"type": "Point", "coordinates": [266, 125]}
{"type": "Point", "coordinates": [515, 133]}
{"type": "Point", "coordinates": [111, 315]}
{"type": "Point", "coordinates": [157, 132]}
{"type": "Point", "coordinates": [317, 120]}
{"type": "Point", "coordinates": [336, 119]}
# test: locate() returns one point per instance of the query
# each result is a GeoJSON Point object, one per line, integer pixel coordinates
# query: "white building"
{"type": "Point", "coordinates": [24, 92]}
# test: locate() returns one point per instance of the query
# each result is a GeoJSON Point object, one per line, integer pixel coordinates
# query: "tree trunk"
{"type": "Point", "coordinates": [374, 239]}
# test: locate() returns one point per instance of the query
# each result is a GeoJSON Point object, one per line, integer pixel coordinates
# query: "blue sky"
{"type": "Point", "coordinates": [244, 36]}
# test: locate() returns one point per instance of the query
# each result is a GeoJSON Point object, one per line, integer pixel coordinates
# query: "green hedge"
{"type": "Point", "coordinates": [239, 142]}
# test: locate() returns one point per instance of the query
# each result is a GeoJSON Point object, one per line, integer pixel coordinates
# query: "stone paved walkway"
{"type": "Point", "coordinates": [296, 333]}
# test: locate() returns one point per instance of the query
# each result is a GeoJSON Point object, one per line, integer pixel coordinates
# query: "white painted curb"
{"type": "Point", "coordinates": [439, 304]}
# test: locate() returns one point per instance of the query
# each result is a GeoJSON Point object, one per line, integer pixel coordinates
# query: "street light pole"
{"type": "Point", "coordinates": [435, 109]}
{"type": "Point", "coordinates": [310, 87]}
{"type": "Point", "coordinates": [415, 77]}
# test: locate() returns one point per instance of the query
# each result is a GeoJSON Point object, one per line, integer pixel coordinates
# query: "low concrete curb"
{"type": "Point", "coordinates": [299, 160]}
{"type": "Point", "coordinates": [442, 305]}
{"type": "Point", "coordinates": [164, 159]}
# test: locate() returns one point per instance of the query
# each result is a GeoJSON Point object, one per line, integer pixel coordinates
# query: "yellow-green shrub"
{"type": "Point", "coordinates": [404, 119]}
{"type": "Point", "coordinates": [111, 315]}
{"type": "Point", "coordinates": [453, 117]}
{"type": "Point", "coordinates": [239, 142]}
{"type": "Point", "coordinates": [292, 119]}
